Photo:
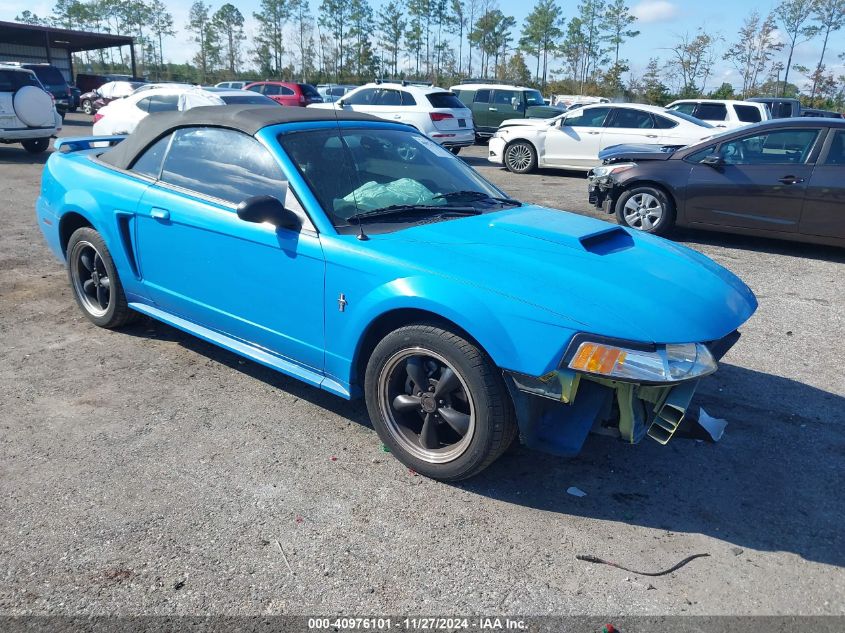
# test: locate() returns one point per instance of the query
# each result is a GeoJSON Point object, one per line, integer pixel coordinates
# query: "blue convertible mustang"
{"type": "Point", "coordinates": [360, 257]}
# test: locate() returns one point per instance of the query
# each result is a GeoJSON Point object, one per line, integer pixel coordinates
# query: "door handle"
{"type": "Point", "coordinates": [493, 109]}
{"type": "Point", "coordinates": [651, 135]}
{"type": "Point", "coordinates": [790, 180]}
{"type": "Point", "coordinates": [159, 214]}
{"type": "Point", "coordinates": [397, 116]}
{"type": "Point", "coordinates": [593, 133]}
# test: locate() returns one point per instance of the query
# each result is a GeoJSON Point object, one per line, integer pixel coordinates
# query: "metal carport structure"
{"type": "Point", "coordinates": [39, 44]}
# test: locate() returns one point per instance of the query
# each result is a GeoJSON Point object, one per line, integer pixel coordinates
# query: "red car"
{"type": "Point", "coordinates": [287, 93]}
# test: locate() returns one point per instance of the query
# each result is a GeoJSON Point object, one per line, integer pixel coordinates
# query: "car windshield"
{"type": "Point", "coordinates": [687, 117]}
{"type": "Point", "coordinates": [392, 175]}
{"type": "Point", "coordinates": [534, 98]}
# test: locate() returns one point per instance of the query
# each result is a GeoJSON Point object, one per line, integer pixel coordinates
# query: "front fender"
{"type": "Point", "coordinates": [515, 336]}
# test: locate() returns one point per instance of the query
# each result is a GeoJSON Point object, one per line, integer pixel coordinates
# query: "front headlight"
{"type": "Point", "coordinates": [667, 363]}
{"type": "Point", "coordinates": [606, 170]}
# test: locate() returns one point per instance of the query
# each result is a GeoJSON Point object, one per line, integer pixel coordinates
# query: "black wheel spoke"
{"type": "Point", "coordinates": [447, 384]}
{"type": "Point", "coordinates": [404, 402]}
{"type": "Point", "coordinates": [105, 283]}
{"type": "Point", "coordinates": [103, 297]}
{"type": "Point", "coordinates": [89, 288]}
{"type": "Point", "coordinates": [87, 260]}
{"type": "Point", "coordinates": [428, 434]}
{"type": "Point", "coordinates": [457, 420]}
{"type": "Point", "coordinates": [416, 371]}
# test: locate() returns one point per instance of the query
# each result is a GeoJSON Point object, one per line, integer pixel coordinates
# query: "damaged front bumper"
{"type": "Point", "coordinates": [601, 191]}
{"type": "Point", "coordinates": [557, 411]}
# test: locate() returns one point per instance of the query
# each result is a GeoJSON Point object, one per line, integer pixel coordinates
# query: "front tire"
{"type": "Point", "coordinates": [438, 402]}
{"type": "Point", "coordinates": [520, 157]}
{"type": "Point", "coordinates": [94, 280]}
{"type": "Point", "coordinates": [647, 209]}
{"type": "Point", "coordinates": [36, 145]}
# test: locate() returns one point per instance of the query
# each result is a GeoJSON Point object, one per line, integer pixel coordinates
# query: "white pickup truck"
{"type": "Point", "coordinates": [722, 113]}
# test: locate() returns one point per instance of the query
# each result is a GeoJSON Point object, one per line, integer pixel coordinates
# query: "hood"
{"type": "Point", "coordinates": [539, 123]}
{"type": "Point", "coordinates": [585, 274]}
{"type": "Point", "coordinates": [634, 152]}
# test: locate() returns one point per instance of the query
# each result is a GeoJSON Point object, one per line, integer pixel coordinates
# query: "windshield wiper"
{"type": "Point", "coordinates": [403, 209]}
{"type": "Point", "coordinates": [471, 194]}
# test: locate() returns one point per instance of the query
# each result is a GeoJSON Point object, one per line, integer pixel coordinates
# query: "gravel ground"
{"type": "Point", "coordinates": [144, 471]}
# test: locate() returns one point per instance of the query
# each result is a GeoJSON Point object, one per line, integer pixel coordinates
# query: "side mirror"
{"type": "Point", "coordinates": [339, 102]}
{"type": "Point", "coordinates": [714, 160]}
{"type": "Point", "coordinates": [270, 209]}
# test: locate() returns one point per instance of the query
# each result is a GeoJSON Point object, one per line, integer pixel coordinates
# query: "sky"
{"type": "Point", "coordinates": [660, 23]}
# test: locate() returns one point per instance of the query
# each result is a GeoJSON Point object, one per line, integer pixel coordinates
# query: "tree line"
{"type": "Point", "coordinates": [444, 41]}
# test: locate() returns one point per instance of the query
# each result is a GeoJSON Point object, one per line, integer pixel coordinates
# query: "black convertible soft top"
{"type": "Point", "coordinates": [246, 118]}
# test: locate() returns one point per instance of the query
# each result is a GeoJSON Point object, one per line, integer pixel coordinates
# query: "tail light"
{"type": "Point", "coordinates": [69, 92]}
{"type": "Point", "coordinates": [440, 116]}
{"type": "Point", "coordinates": [301, 98]}
{"type": "Point", "coordinates": [97, 116]}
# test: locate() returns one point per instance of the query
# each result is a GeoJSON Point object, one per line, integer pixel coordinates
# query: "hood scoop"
{"type": "Point", "coordinates": [612, 240]}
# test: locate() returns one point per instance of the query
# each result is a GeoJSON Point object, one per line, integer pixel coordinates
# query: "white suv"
{"type": "Point", "coordinates": [723, 113]}
{"type": "Point", "coordinates": [27, 112]}
{"type": "Point", "coordinates": [435, 112]}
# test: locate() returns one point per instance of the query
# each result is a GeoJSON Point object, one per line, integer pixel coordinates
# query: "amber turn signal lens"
{"type": "Point", "coordinates": [597, 359]}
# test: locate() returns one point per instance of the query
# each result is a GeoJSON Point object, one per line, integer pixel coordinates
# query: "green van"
{"type": "Point", "coordinates": [492, 103]}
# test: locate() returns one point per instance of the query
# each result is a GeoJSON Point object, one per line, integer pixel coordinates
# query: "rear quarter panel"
{"type": "Point", "coordinates": [75, 184]}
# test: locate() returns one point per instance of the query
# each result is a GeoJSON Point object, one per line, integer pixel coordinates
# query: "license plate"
{"type": "Point", "coordinates": [462, 123]}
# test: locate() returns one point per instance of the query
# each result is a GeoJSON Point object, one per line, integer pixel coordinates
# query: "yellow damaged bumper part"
{"type": "Point", "coordinates": [557, 411]}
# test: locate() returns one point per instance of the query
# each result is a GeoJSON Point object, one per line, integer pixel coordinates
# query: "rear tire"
{"type": "Point", "coordinates": [520, 157]}
{"type": "Point", "coordinates": [455, 150]}
{"type": "Point", "coordinates": [36, 145]}
{"type": "Point", "coordinates": [438, 402]}
{"type": "Point", "coordinates": [647, 209]}
{"type": "Point", "coordinates": [94, 280]}
{"type": "Point", "coordinates": [88, 107]}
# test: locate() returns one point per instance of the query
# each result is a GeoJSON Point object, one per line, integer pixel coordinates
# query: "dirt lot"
{"type": "Point", "coordinates": [144, 471]}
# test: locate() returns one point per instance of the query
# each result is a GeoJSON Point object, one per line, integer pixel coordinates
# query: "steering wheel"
{"type": "Point", "coordinates": [407, 151]}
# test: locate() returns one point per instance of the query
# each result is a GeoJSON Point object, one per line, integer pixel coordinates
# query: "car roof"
{"type": "Point", "coordinates": [732, 101]}
{"type": "Point", "coordinates": [491, 86]}
{"type": "Point", "coordinates": [396, 85]}
{"type": "Point", "coordinates": [244, 118]}
{"type": "Point", "coordinates": [16, 68]}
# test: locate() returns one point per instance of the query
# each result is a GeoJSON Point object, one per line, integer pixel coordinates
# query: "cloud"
{"type": "Point", "coordinates": [655, 11]}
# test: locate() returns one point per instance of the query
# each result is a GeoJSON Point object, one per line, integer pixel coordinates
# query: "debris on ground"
{"type": "Point", "coordinates": [333, 458]}
{"type": "Point", "coordinates": [736, 551]}
{"type": "Point", "coordinates": [715, 427]}
{"type": "Point", "coordinates": [575, 492]}
{"type": "Point", "coordinates": [594, 559]}
{"type": "Point", "coordinates": [385, 448]}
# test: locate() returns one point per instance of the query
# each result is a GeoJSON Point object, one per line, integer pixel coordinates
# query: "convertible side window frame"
{"type": "Point", "coordinates": [292, 200]}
